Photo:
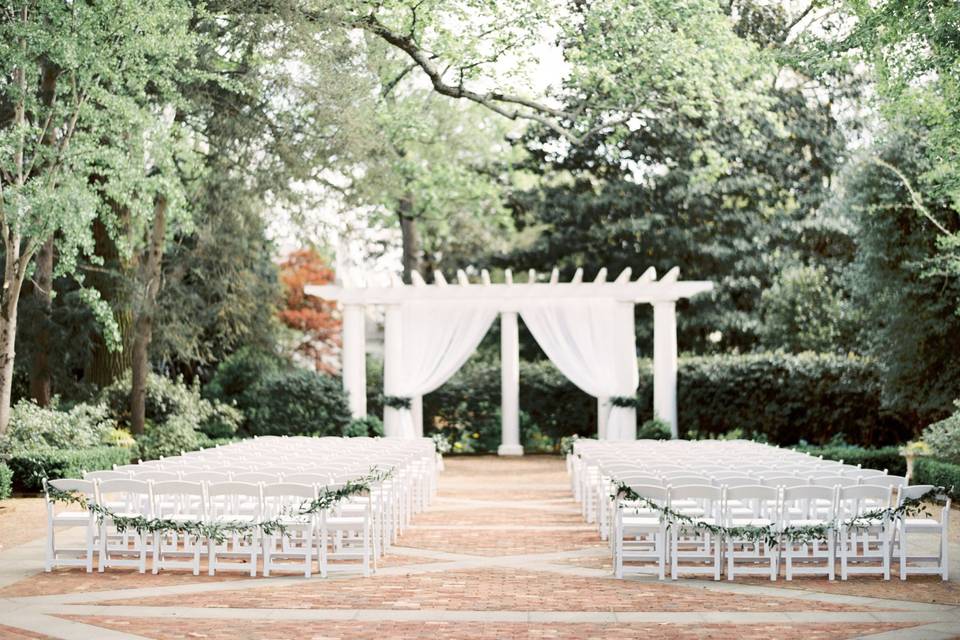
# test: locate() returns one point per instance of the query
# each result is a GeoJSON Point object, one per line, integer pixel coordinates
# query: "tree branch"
{"type": "Point", "coordinates": [914, 196]}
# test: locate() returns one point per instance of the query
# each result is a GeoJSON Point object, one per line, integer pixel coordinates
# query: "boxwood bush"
{"type": "Point", "coordinates": [31, 466]}
{"type": "Point", "coordinates": [888, 458]}
{"type": "Point", "coordinates": [298, 401]}
{"type": "Point", "coordinates": [781, 398]}
{"type": "Point", "coordinates": [939, 473]}
{"type": "Point", "coordinates": [6, 481]}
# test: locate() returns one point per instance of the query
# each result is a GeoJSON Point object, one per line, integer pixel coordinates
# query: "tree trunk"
{"type": "Point", "coordinates": [143, 320]}
{"type": "Point", "coordinates": [408, 234]}
{"type": "Point", "coordinates": [106, 366]}
{"type": "Point", "coordinates": [40, 387]}
{"type": "Point", "coordinates": [9, 300]}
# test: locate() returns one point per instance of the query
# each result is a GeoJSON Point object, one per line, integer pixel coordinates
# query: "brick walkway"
{"type": "Point", "coordinates": [502, 553]}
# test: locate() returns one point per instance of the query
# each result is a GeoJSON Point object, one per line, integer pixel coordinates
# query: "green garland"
{"type": "Point", "coordinates": [769, 534]}
{"type": "Point", "coordinates": [397, 402]}
{"type": "Point", "coordinates": [218, 532]}
{"type": "Point", "coordinates": [628, 402]}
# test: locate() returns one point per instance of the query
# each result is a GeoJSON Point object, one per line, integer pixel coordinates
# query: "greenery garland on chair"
{"type": "Point", "coordinates": [216, 531]}
{"type": "Point", "coordinates": [397, 402]}
{"type": "Point", "coordinates": [803, 534]}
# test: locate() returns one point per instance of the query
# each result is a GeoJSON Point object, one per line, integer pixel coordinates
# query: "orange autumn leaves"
{"type": "Point", "coordinates": [316, 321]}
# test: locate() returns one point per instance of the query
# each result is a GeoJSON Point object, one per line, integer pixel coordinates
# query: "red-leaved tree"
{"type": "Point", "coordinates": [318, 320]}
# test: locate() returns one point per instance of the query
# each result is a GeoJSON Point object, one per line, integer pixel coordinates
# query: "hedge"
{"type": "Point", "coordinates": [6, 481]}
{"type": "Point", "coordinates": [888, 458]}
{"type": "Point", "coordinates": [782, 398]}
{"type": "Point", "coordinates": [30, 467]}
{"type": "Point", "coordinates": [939, 473]}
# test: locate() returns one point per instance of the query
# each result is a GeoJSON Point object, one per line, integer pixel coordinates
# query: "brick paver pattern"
{"type": "Point", "coordinates": [501, 553]}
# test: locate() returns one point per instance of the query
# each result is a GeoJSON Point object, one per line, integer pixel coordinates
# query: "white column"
{"type": "Point", "coordinates": [602, 413]}
{"type": "Point", "coordinates": [665, 363]}
{"type": "Point", "coordinates": [509, 385]}
{"type": "Point", "coordinates": [416, 408]}
{"type": "Point", "coordinates": [392, 357]}
{"type": "Point", "coordinates": [353, 356]}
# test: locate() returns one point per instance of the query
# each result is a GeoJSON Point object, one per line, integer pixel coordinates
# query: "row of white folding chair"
{"type": "Point", "coordinates": [207, 502]}
{"type": "Point", "coordinates": [861, 547]}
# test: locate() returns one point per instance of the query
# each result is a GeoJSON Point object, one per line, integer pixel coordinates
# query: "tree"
{"type": "Point", "coordinates": [315, 319]}
{"type": "Point", "coordinates": [75, 72]}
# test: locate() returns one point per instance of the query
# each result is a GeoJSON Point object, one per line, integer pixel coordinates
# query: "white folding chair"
{"type": "Point", "coordinates": [179, 501]}
{"type": "Point", "coordinates": [106, 475]}
{"type": "Point", "coordinates": [283, 501]}
{"type": "Point", "coordinates": [763, 506]}
{"type": "Point", "coordinates": [640, 533]}
{"type": "Point", "coordinates": [345, 534]}
{"type": "Point", "coordinates": [688, 542]}
{"type": "Point", "coordinates": [868, 542]}
{"type": "Point", "coordinates": [69, 516]}
{"type": "Point", "coordinates": [239, 503]}
{"type": "Point", "coordinates": [126, 548]}
{"type": "Point", "coordinates": [910, 525]}
{"type": "Point", "coordinates": [799, 508]}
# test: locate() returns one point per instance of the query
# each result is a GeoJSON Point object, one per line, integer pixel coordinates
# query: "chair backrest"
{"type": "Point", "coordinates": [654, 492]}
{"type": "Point", "coordinates": [230, 498]}
{"type": "Point", "coordinates": [762, 500]}
{"type": "Point", "coordinates": [685, 479]}
{"type": "Point", "coordinates": [307, 478]}
{"type": "Point", "coordinates": [854, 500]}
{"type": "Point", "coordinates": [832, 481]}
{"type": "Point", "coordinates": [784, 481]}
{"type": "Point", "coordinates": [153, 474]}
{"type": "Point", "coordinates": [286, 498]}
{"type": "Point", "coordinates": [736, 481]}
{"type": "Point", "coordinates": [805, 502]}
{"type": "Point", "coordinates": [105, 475]}
{"type": "Point", "coordinates": [707, 497]}
{"type": "Point", "coordinates": [86, 487]}
{"type": "Point", "coordinates": [126, 494]}
{"type": "Point", "coordinates": [884, 480]}
{"type": "Point", "coordinates": [255, 476]}
{"type": "Point", "coordinates": [914, 491]}
{"type": "Point", "coordinates": [206, 476]}
{"type": "Point", "coordinates": [640, 478]}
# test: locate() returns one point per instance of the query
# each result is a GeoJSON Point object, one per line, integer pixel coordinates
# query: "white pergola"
{"type": "Point", "coordinates": [507, 298]}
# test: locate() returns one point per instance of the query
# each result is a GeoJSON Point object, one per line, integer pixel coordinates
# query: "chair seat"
{"type": "Point", "coordinates": [750, 522]}
{"type": "Point", "coordinates": [78, 517]}
{"type": "Point", "coordinates": [634, 521]}
{"type": "Point", "coordinates": [923, 523]}
{"type": "Point", "coordinates": [809, 522]}
{"type": "Point", "coordinates": [343, 521]}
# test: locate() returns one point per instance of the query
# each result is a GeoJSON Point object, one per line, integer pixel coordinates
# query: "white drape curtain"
{"type": "Point", "coordinates": [436, 339]}
{"type": "Point", "coordinates": [593, 343]}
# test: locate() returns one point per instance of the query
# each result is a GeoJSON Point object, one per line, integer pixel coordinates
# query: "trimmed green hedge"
{"type": "Point", "coordinates": [6, 481]}
{"type": "Point", "coordinates": [888, 458]}
{"type": "Point", "coordinates": [782, 398]}
{"type": "Point", "coordinates": [30, 467]}
{"type": "Point", "coordinates": [939, 473]}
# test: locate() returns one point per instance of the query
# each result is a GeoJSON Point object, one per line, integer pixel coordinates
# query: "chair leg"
{"type": "Point", "coordinates": [903, 552]}
{"type": "Point", "coordinates": [673, 553]}
{"type": "Point", "coordinates": [832, 555]}
{"type": "Point", "coordinates": [717, 556]}
{"type": "Point", "coordinates": [730, 569]}
{"type": "Point", "coordinates": [366, 550]}
{"type": "Point", "coordinates": [268, 542]}
{"type": "Point", "coordinates": [102, 564]}
{"type": "Point", "coordinates": [211, 558]}
{"type": "Point", "coordinates": [944, 554]}
{"type": "Point", "coordinates": [885, 548]}
{"type": "Point", "coordinates": [156, 553]}
{"type": "Point", "coordinates": [662, 553]}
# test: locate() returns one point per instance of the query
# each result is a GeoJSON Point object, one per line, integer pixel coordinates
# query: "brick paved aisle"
{"type": "Point", "coordinates": [502, 553]}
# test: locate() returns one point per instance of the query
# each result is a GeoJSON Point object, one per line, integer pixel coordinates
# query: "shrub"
{"type": "Point", "coordinates": [654, 430]}
{"type": "Point", "coordinates": [298, 401]}
{"type": "Point", "coordinates": [370, 426]}
{"type": "Point", "coordinates": [6, 481]}
{"type": "Point", "coordinates": [783, 398]}
{"type": "Point", "coordinates": [167, 398]}
{"type": "Point", "coordinates": [31, 466]}
{"type": "Point", "coordinates": [943, 437]}
{"type": "Point", "coordinates": [119, 438]}
{"type": "Point", "coordinates": [35, 427]}
{"type": "Point", "coordinates": [170, 438]}
{"type": "Point", "coordinates": [888, 458]}
{"type": "Point", "coordinates": [939, 473]}
{"type": "Point", "coordinates": [235, 378]}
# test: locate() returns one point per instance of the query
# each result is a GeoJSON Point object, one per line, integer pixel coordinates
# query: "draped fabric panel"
{"type": "Point", "coordinates": [593, 343]}
{"type": "Point", "coordinates": [436, 339]}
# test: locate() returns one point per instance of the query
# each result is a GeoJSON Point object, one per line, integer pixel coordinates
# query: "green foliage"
{"type": "Point", "coordinates": [34, 428]}
{"type": "Point", "coordinates": [943, 437]}
{"type": "Point", "coordinates": [654, 429]}
{"type": "Point", "coordinates": [888, 458]}
{"type": "Point", "coordinates": [804, 311]}
{"type": "Point", "coordinates": [119, 438]}
{"type": "Point", "coordinates": [31, 466]}
{"type": "Point", "coordinates": [938, 473]}
{"type": "Point", "coordinates": [235, 378]}
{"type": "Point", "coordinates": [6, 481]}
{"type": "Point", "coordinates": [298, 401]}
{"type": "Point", "coordinates": [783, 398]}
{"type": "Point", "coordinates": [167, 400]}
{"type": "Point", "coordinates": [370, 426]}
{"type": "Point", "coordinates": [170, 438]}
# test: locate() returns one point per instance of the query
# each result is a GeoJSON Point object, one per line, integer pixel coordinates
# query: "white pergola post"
{"type": "Point", "coordinates": [509, 385]}
{"type": "Point", "coordinates": [392, 357]}
{"type": "Point", "coordinates": [665, 364]}
{"type": "Point", "coordinates": [353, 355]}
